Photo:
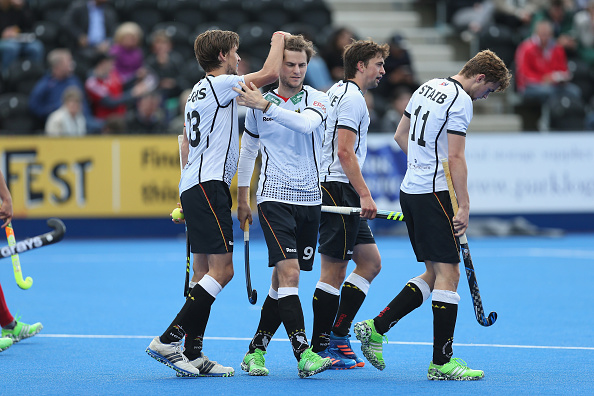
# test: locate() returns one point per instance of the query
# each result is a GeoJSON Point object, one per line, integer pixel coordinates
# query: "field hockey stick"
{"type": "Point", "coordinates": [14, 248]}
{"type": "Point", "coordinates": [470, 275]}
{"type": "Point", "coordinates": [180, 139]}
{"type": "Point", "coordinates": [381, 214]}
{"type": "Point", "coordinates": [252, 294]}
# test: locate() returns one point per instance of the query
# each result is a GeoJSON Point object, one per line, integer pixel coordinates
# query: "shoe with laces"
{"type": "Point", "coordinates": [253, 363]}
{"type": "Point", "coordinates": [371, 343]}
{"type": "Point", "coordinates": [456, 369]}
{"type": "Point", "coordinates": [172, 355]}
{"type": "Point", "coordinates": [210, 368]}
{"type": "Point", "coordinates": [22, 331]}
{"type": "Point", "coordinates": [311, 363]}
{"type": "Point", "coordinates": [343, 346]}
{"type": "Point", "coordinates": [339, 361]}
{"type": "Point", "coordinates": [5, 343]}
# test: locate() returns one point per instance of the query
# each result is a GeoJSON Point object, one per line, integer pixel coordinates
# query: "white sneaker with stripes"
{"type": "Point", "coordinates": [210, 368]}
{"type": "Point", "coordinates": [172, 355]}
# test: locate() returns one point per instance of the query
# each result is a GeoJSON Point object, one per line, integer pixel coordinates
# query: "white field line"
{"type": "Point", "coordinates": [144, 337]}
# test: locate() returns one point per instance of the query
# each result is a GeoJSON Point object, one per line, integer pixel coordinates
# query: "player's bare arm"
{"type": "Point", "coordinates": [401, 135]}
{"type": "Point", "coordinates": [459, 172]}
{"type": "Point", "coordinates": [250, 96]}
{"type": "Point", "coordinates": [6, 207]}
{"type": "Point", "coordinates": [350, 166]}
{"type": "Point", "coordinates": [243, 206]}
{"type": "Point", "coordinates": [271, 68]}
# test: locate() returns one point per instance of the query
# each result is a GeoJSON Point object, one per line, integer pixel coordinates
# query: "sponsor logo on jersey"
{"type": "Point", "coordinates": [266, 119]}
{"type": "Point", "coordinates": [297, 98]}
{"type": "Point", "coordinates": [272, 99]}
{"type": "Point", "coordinates": [445, 83]}
{"type": "Point", "coordinates": [289, 250]}
{"type": "Point", "coordinates": [319, 105]}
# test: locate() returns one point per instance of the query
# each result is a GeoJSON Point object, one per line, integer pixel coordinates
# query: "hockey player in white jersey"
{"type": "Point", "coordinates": [286, 126]}
{"type": "Point", "coordinates": [346, 237]}
{"type": "Point", "coordinates": [434, 128]}
{"type": "Point", "coordinates": [210, 150]}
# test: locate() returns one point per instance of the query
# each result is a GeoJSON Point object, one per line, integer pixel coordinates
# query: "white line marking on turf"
{"type": "Point", "coordinates": [103, 336]}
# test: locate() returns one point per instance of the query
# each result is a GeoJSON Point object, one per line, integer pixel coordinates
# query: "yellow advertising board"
{"type": "Point", "coordinates": [94, 176]}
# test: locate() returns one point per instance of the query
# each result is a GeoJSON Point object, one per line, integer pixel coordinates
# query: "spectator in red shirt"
{"type": "Point", "coordinates": [541, 69]}
{"type": "Point", "coordinates": [106, 91]}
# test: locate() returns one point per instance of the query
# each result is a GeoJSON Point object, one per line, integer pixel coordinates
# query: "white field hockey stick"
{"type": "Point", "coordinates": [347, 211]}
{"type": "Point", "coordinates": [14, 248]}
{"type": "Point", "coordinates": [180, 139]}
{"type": "Point", "coordinates": [474, 290]}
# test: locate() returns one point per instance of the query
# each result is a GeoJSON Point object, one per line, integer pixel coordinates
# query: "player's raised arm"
{"type": "Point", "coordinates": [270, 70]}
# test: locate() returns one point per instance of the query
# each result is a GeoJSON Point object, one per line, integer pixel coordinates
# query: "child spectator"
{"type": "Point", "coordinates": [69, 119]}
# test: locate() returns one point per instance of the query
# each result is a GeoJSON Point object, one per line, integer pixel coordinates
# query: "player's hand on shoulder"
{"type": "Point", "coordinates": [250, 96]}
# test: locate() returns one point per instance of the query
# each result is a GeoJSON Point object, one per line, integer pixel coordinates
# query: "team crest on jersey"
{"type": "Point", "coordinates": [272, 99]}
{"type": "Point", "coordinates": [297, 98]}
{"type": "Point", "coordinates": [445, 83]}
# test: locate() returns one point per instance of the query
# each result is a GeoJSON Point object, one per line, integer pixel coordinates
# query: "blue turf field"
{"type": "Point", "coordinates": [102, 301]}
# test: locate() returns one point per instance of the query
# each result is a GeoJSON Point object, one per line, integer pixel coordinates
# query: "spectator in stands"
{"type": "Point", "coordinates": [374, 117]}
{"type": "Point", "coordinates": [516, 14]}
{"type": "Point", "coordinates": [166, 64]}
{"type": "Point", "coordinates": [176, 125]}
{"type": "Point", "coordinates": [332, 54]}
{"type": "Point", "coordinates": [69, 119]}
{"type": "Point", "coordinates": [91, 26]}
{"type": "Point", "coordinates": [584, 33]}
{"type": "Point", "coordinates": [46, 96]}
{"type": "Point", "coordinates": [16, 37]}
{"type": "Point", "coordinates": [399, 69]}
{"type": "Point", "coordinates": [107, 94]}
{"type": "Point", "coordinates": [542, 71]}
{"type": "Point", "coordinates": [126, 50]}
{"type": "Point", "coordinates": [472, 19]}
{"type": "Point", "coordinates": [394, 114]}
{"type": "Point", "coordinates": [561, 18]}
{"type": "Point", "coordinates": [149, 117]}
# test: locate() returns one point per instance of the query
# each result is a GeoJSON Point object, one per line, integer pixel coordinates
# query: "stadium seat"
{"type": "Point", "coordinates": [178, 33]}
{"type": "Point", "coordinates": [14, 114]}
{"type": "Point", "coordinates": [22, 76]}
{"type": "Point", "coordinates": [191, 74]}
{"type": "Point", "coordinates": [48, 33]}
{"type": "Point", "coordinates": [50, 10]}
{"type": "Point", "coordinates": [255, 33]}
{"type": "Point", "coordinates": [146, 16]}
{"type": "Point", "coordinates": [567, 114]}
{"type": "Point", "coordinates": [501, 40]}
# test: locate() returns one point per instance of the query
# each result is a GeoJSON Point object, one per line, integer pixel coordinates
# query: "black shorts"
{"type": "Point", "coordinates": [339, 234]}
{"type": "Point", "coordinates": [291, 232]}
{"type": "Point", "coordinates": [428, 219]}
{"type": "Point", "coordinates": [207, 210]}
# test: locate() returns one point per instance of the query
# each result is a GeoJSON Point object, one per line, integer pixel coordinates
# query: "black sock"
{"type": "Point", "coordinates": [351, 299]}
{"type": "Point", "coordinates": [444, 322]}
{"type": "Point", "coordinates": [269, 323]}
{"type": "Point", "coordinates": [409, 298]}
{"type": "Point", "coordinates": [291, 314]}
{"type": "Point", "coordinates": [325, 306]}
{"type": "Point", "coordinates": [191, 321]}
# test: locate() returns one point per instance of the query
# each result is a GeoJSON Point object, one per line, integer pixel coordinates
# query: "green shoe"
{"type": "Point", "coordinates": [455, 369]}
{"type": "Point", "coordinates": [371, 343]}
{"type": "Point", "coordinates": [22, 331]}
{"type": "Point", "coordinates": [311, 363]}
{"type": "Point", "coordinates": [253, 363]}
{"type": "Point", "coordinates": [5, 343]}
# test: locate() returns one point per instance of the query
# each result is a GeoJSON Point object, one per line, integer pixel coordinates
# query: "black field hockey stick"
{"type": "Point", "coordinates": [470, 275]}
{"type": "Point", "coordinates": [252, 294]}
{"type": "Point", "coordinates": [14, 248]}
{"type": "Point", "coordinates": [346, 210]}
{"type": "Point", "coordinates": [180, 139]}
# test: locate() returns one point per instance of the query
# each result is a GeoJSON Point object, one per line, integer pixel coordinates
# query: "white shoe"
{"type": "Point", "coordinates": [172, 355]}
{"type": "Point", "coordinates": [210, 368]}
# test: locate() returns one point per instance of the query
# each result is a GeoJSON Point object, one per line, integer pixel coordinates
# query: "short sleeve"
{"type": "Point", "coordinates": [223, 87]}
{"type": "Point", "coordinates": [351, 111]}
{"type": "Point", "coordinates": [460, 116]}
{"type": "Point", "coordinates": [320, 104]}
{"type": "Point", "coordinates": [251, 124]}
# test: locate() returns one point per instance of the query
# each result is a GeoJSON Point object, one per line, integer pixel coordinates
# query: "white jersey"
{"type": "Point", "coordinates": [348, 110]}
{"type": "Point", "coordinates": [212, 130]}
{"type": "Point", "coordinates": [438, 107]}
{"type": "Point", "coordinates": [290, 157]}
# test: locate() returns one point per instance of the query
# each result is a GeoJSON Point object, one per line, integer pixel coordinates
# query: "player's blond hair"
{"type": "Point", "coordinates": [210, 43]}
{"type": "Point", "coordinates": [361, 51]}
{"type": "Point", "coordinates": [488, 63]}
{"type": "Point", "coordinates": [298, 43]}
